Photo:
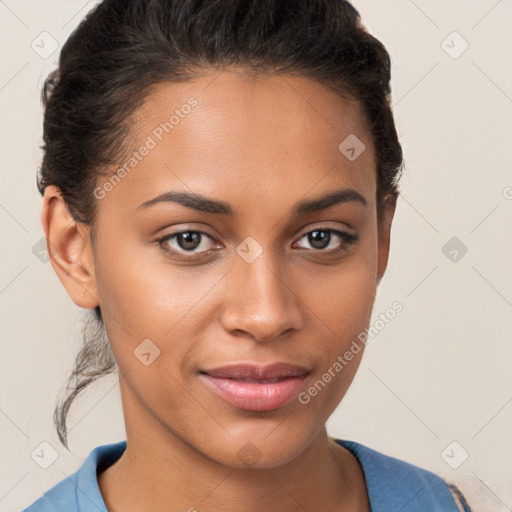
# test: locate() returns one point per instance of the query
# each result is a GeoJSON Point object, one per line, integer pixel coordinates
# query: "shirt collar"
{"type": "Point", "coordinates": [88, 495]}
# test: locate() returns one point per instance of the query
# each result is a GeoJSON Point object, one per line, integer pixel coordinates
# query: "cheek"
{"type": "Point", "coordinates": [343, 299]}
{"type": "Point", "coordinates": [344, 305]}
{"type": "Point", "coordinates": [146, 295]}
{"type": "Point", "coordinates": [147, 298]}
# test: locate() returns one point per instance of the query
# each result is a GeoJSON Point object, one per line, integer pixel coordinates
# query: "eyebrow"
{"type": "Point", "coordinates": [209, 205]}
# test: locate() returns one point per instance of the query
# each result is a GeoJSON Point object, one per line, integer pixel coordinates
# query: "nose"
{"type": "Point", "coordinates": [260, 300]}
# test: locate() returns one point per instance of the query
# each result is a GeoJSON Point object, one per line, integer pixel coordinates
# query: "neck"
{"type": "Point", "coordinates": [159, 471]}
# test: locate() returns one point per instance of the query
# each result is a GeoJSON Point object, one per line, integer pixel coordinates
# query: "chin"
{"type": "Point", "coordinates": [260, 448]}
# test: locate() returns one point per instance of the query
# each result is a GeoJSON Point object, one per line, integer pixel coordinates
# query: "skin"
{"type": "Point", "coordinates": [260, 145]}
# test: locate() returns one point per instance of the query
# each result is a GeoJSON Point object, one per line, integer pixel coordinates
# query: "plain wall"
{"type": "Point", "coordinates": [437, 373]}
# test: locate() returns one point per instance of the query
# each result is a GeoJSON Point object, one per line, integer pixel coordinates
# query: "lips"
{"type": "Point", "coordinates": [256, 388]}
{"type": "Point", "coordinates": [258, 373]}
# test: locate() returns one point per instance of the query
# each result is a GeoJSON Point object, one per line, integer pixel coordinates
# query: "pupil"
{"type": "Point", "coordinates": [316, 242]}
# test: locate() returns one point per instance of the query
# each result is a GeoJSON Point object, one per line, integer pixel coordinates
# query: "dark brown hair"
{"type": "Point", "coordinates": [124, 47]}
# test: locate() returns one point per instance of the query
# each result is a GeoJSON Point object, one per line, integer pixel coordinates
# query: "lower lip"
{"type": "Point", "coordinates": [253, 396]}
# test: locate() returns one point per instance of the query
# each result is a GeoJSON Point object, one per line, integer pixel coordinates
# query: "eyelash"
{"type": "Point", "coordinates": [348, 239]}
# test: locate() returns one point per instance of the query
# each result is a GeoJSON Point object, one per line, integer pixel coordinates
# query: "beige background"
{"type": "Point", "coordinates": [438, 373]}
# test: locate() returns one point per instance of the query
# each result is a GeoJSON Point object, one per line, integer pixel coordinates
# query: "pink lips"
{"type": "Point", "coordinates": [256, 388]}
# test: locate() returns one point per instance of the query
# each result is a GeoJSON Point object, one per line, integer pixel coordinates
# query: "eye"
{"type": "Point", "coordinates": [320, 239]}
{"type": "Point", "coordinates": [185, 242]}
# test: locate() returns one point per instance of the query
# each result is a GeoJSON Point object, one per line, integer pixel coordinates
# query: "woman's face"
{"type": "Point", "coordinates": [267, 283]}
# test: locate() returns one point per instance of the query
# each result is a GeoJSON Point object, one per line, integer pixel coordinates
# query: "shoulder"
{"type": "Point", "coordinates": [80, 491]}
{"type": "Point", "coordinates": [394, 484]}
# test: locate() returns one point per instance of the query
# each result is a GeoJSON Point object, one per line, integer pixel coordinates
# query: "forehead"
{"type": "Point", "coordinates": [236, 105]}
{"type": "Point", "coordinates": [232, 135]}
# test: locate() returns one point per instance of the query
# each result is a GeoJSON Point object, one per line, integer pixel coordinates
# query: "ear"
{"type": "Point", "coordinates": [385, 238]}
{"type": "Point", "coordinates": [70, 249]}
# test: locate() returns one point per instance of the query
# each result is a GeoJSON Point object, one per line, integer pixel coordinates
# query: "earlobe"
{"type": "Point", "coordinates": [69, 248]}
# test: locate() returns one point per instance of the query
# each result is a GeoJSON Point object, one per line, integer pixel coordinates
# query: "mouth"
{"type": "Point", "coordinates": [256, 388]}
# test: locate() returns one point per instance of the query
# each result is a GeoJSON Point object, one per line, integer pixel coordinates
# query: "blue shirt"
{"type": "Point", "coordinates": [392, 484]}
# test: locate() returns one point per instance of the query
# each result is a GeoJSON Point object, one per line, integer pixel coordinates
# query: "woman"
{"type": "Point", "coordinates": [219, 182]}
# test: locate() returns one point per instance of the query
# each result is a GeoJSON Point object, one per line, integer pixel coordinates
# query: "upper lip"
{"type": "Point", "coordinates": [257, 372]}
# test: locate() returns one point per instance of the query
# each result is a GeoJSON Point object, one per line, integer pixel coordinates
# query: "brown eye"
{"type": "Point", "coordinates": [320, 239]}
{"type": "Point", "coordinates": [185, 242]}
